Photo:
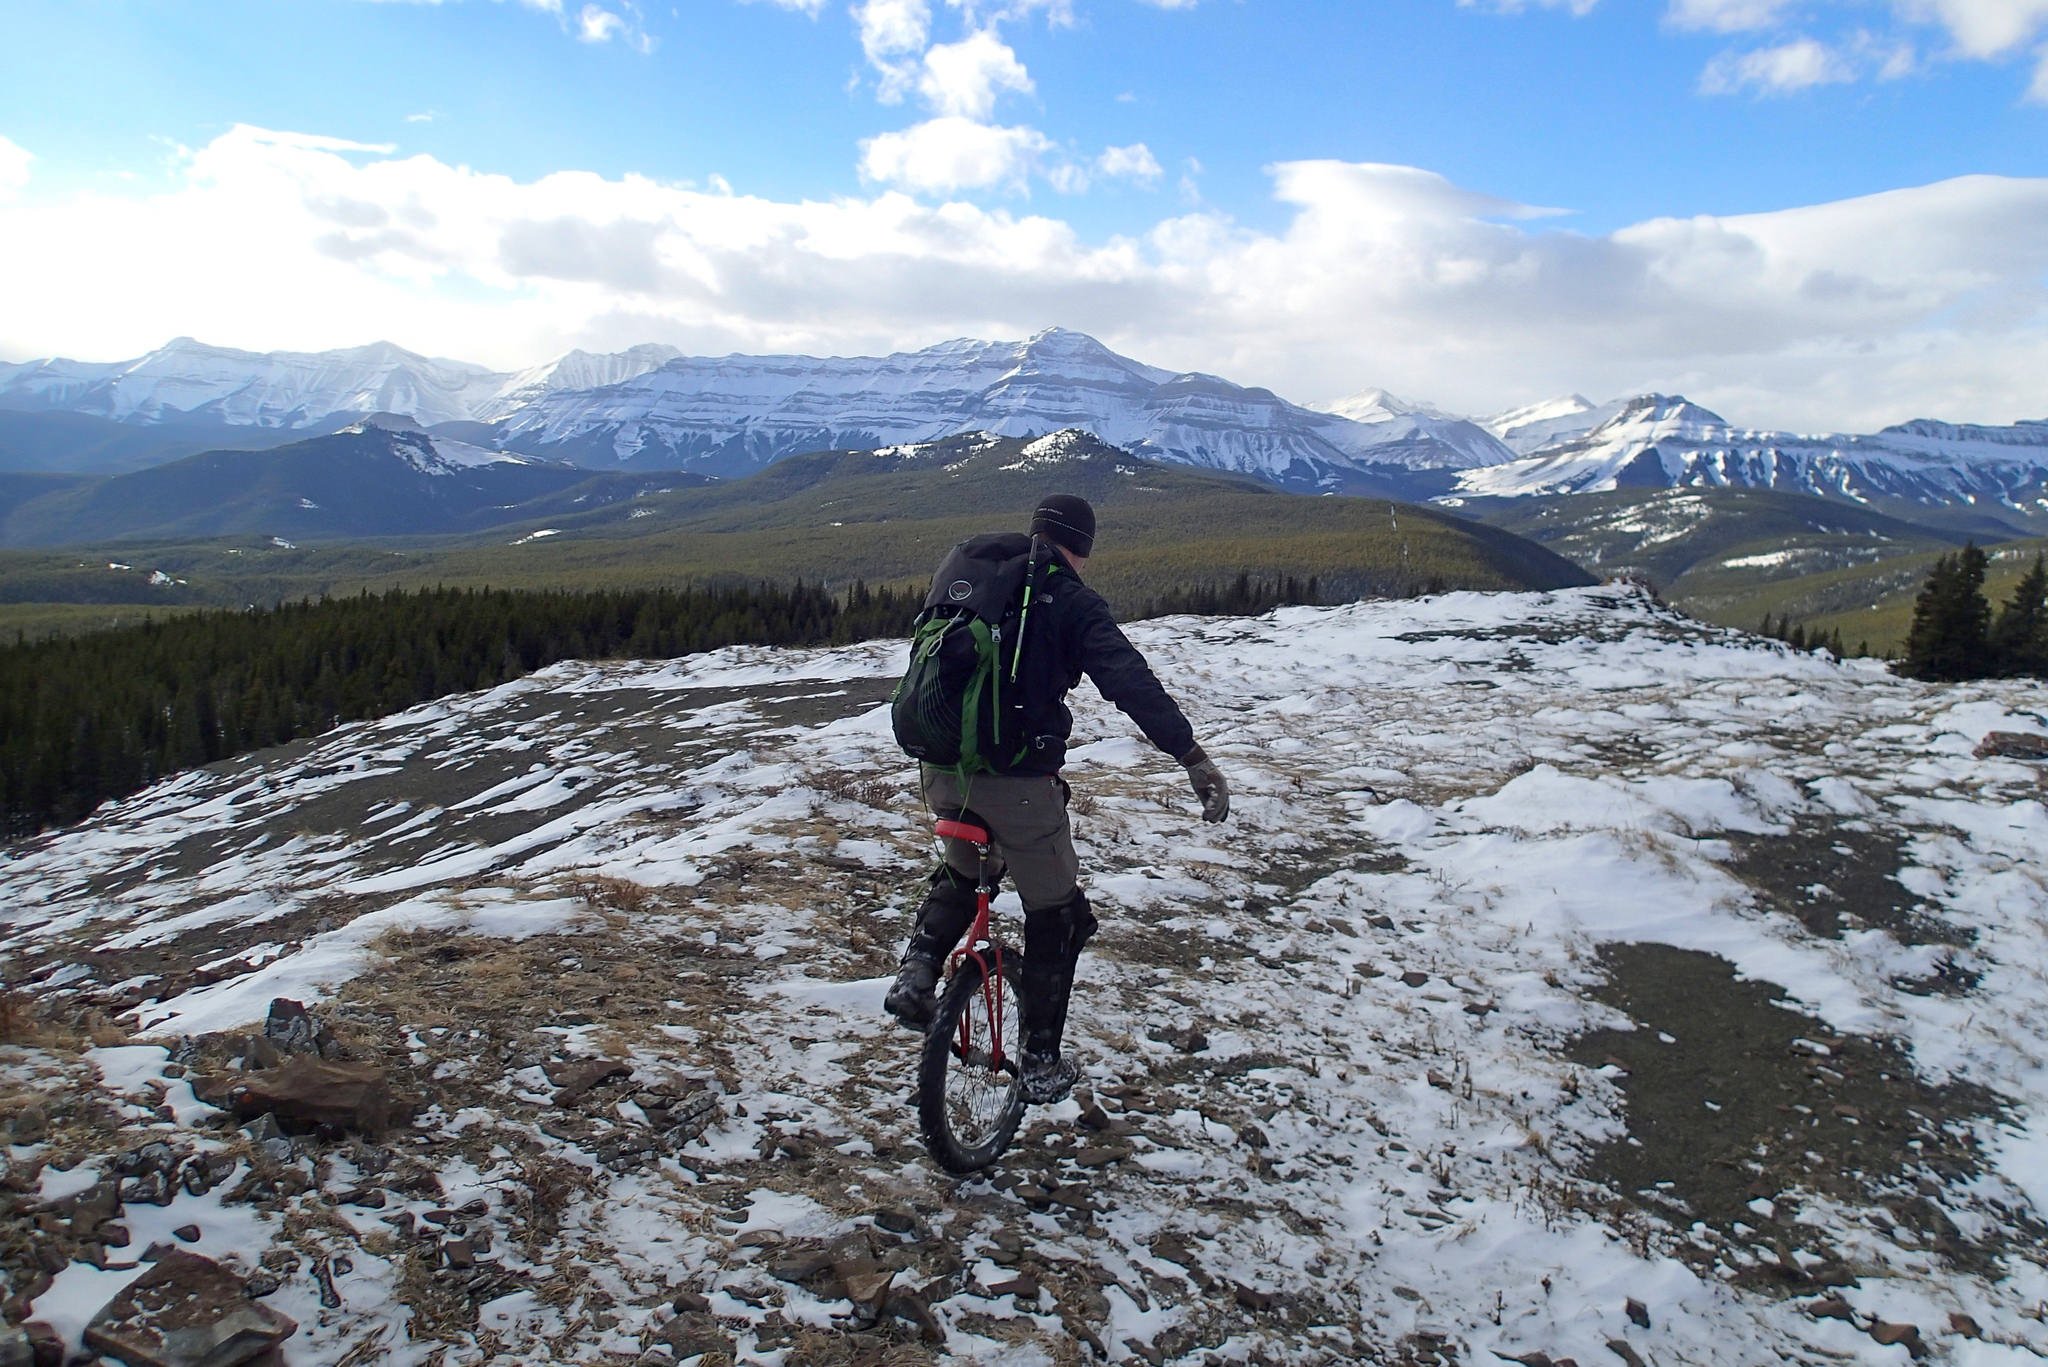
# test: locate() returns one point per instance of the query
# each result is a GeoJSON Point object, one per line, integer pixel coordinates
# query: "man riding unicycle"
{"type": "Point", "coordinates": [1008, 628]}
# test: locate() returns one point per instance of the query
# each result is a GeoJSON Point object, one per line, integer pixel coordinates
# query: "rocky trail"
{"type": "Point", "coordinates": [1573, 983]}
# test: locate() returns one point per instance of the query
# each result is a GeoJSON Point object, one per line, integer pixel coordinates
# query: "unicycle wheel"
{"type": "Point", "coordinates": [970, 1094]}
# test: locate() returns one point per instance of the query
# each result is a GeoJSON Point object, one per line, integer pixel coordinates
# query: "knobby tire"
{"type": "Point", "coordinates": [968, 1110]}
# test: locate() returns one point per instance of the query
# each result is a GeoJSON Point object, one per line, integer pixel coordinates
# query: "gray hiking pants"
{"type": "Point", "coordinates": [1027, 817]}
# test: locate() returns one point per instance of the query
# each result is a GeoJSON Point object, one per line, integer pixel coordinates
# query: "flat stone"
{"type": "Point", "coordinates": [1093, 1117]}
{"type": "Point", "coordinates": [576, 1080]}
{"type": "Point", "coordinates": [800, 1266]}
{"type": "Point", "coordinates": [693, 1334]}
{"type": "Point", "coordinates": [1906, 1336]}
{"type": "Point", "coordinates": [189, 1233]}
{"type": "Point", "coordinates": [1415, 977]}
{"type": "Point", "coordinates": [308, 1093]}
{"type": "Point", "coordinates": [1638, 1313]}
{"type": "Point", "coordinates": [186, 1311]}
{"type": "Point", "coordinates": [1101, 1156]}
{"type": "Point", "coordinates": [691, 1303]}
{"type": "Point", "coordinates": [895, 1221]}
{"type": "Point", "coordinates": [2012, 745]}
{"type": "Point", "coordinates": [1622, 1349]}
{"type": "Point", "coordinates": [1023, 1285]}
{"type": "Point", "coordinates": [867, 1287]}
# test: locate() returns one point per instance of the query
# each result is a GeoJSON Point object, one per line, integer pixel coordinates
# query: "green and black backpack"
{"type": "Point", "coordinates": [965, 648]}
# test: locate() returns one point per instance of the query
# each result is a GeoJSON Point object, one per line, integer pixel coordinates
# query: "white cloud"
{"type": "Point", "coordinates": [809, 8]}
{"type": "Point", "coordinates": [892, 33]}
{"type": "Point", "coordinates": [1134, 162]}
{"type": "Point", "coordinates": [14, 160]}
{"type": "Point", "coordinates": [1982, 28]}
{"type": "Point", "coordinates": [597, 25]}
{"type": "Point", "coordinates": [1924, 301]}
{"type": "Point", "coordinates": [1727, 16]}
{"type": "Point", "coordinates": [1796, 65]}
{"type": "Point", "coordinates": [952, 153]}
{"type": "Point", "coordinates": [963, 79]}
{"type": "Point", "coordinates": [1976, 30]}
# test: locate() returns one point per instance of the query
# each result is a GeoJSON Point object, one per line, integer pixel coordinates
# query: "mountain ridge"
{"type": "Point", "coordinates": [652, 407]}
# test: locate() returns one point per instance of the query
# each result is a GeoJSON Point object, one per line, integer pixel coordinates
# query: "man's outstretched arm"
{"type": "Point", "coordinates": [1121, 675]}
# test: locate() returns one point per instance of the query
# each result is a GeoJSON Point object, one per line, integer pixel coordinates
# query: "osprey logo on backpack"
{"type": "Point", "coordinates": [949, 710]}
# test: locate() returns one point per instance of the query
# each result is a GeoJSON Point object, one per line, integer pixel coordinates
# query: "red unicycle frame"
{"type": "Point", "coordinates": [977, 944]}
{"type": "Point", "coordinates": [970, 1094]}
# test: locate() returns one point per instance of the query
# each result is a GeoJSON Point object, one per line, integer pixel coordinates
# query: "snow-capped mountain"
{"type": "Point", "coordinates": [1660, 441]}
{"type": "Point", "coordinates": [650, 407]}
{"type": "Point", "coordinates": [188, 380]}
{"type": "Point", "coordinates": [736, 413]}
{"type": "Point", "coordinates": [1400, 424]}
{"type": "Point", "coordinates": [1534, 426]}
{"type": "Point", "coordinates": [429, 454]}
{"type": "Point", "coordinates": [572, 370]}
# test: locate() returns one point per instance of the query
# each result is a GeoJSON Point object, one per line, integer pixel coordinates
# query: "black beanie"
{"type": "Point", "coordinates": [1065, 520]}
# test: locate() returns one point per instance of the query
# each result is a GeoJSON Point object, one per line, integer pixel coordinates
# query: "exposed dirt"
{"type": "Point", "coordinates": [1839, 876]}
{"type": "Point", "coordinates": [1739, 1109]}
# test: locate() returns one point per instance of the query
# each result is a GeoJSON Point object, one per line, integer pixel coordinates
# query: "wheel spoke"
{"type": "Point", "coordinates": [979, 1101]}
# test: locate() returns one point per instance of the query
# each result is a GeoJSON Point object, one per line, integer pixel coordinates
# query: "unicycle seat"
{"type": "Point", "coordinates": [967, 827]}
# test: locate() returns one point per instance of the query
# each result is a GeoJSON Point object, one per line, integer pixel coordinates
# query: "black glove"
{"type": "Point", "coordinates": [1207, 781]}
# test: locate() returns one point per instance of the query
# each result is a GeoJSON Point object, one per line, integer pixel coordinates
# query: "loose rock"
{"type": "Point", "coordinates": [293, 1029]}
{"type": "Point", "coordinates": [310, 1094]}
{"type": "Point", "coordinates": [2012, 745]}
{"type": "Point", "coordinates": [186, 1311]}
{"type": "Point", "coordinates": [574, 1081]}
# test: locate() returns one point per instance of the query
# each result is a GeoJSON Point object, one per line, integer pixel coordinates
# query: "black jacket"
{"type": "Point", "coordinates": [1068, 632]}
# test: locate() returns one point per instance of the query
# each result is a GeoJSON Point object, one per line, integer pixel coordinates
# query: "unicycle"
{"type": "Point", "coordinates": [970, 1094]}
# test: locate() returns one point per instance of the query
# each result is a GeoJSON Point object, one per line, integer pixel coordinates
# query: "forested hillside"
{"type": "Point", "coordinates": [91, 717]}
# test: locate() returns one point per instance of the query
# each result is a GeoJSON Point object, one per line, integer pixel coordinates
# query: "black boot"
{"type": "Point", "coordinates": [947, 909]}
{"type": "Point", "coordinates": [910, 996]}
{"type": "Point", "coordinates": [1048, 1078]}
{"type": "Point", "coordinates": [1053, 939]}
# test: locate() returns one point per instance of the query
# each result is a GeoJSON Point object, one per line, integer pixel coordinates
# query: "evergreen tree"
{"type": "Point", "coordinates": [1949, 638]}
{"type": "Point", "coordinates": [2019, 639]}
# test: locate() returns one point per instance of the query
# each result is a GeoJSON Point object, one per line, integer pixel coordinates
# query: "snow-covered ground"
{"type": "Point", "coordinates": [1571, 979]}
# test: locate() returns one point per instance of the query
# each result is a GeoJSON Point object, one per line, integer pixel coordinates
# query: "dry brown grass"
{"type": "Point", "coordinates": [621, 895]}
{"type": "Point", "coordinates": [17, 1018]}
{"type": "Point", "coordinates": [849, 785]}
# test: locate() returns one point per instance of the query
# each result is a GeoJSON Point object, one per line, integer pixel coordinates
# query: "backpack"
{"type": "Point", "coordinates": [965, 645]}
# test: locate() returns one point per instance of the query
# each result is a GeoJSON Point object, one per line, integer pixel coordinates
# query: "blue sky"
{"type": "Point", "coordinates": [1754, 200]}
